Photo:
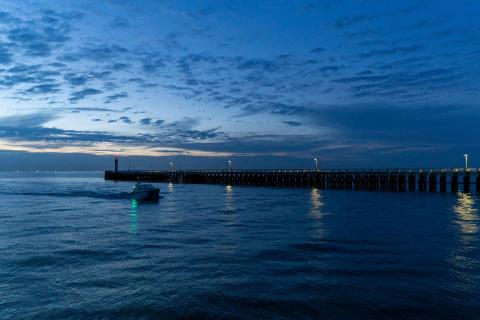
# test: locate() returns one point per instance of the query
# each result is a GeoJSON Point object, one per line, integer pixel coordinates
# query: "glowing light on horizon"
{"type": "Point", "coordinates": [106, 148]}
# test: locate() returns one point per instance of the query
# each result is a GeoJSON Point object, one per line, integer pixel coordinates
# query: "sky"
{"type": "Point", "coordinates": [264, 84]}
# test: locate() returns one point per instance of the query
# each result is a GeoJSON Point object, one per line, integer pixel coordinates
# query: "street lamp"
{"type": "Point", "coordinates": [171, 166]}
{"type": "Point", "coordinates": [316, 164]}
{"type": "Point", "coordinates": [229, 165]}
{"type": "Point", "coordinates": [466, 161]}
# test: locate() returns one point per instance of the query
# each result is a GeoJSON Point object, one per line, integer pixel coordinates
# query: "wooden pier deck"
{"type": "Point", "coordinates": [443, 180]}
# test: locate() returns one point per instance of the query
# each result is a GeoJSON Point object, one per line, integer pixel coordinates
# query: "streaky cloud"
{"type": "Point", "coordinates": [82, 94]}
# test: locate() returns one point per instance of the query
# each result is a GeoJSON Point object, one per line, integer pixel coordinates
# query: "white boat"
{"type": "Point", "coordinates": [145, 191]}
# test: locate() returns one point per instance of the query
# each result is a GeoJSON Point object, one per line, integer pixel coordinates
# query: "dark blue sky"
{"type": "Point", "coordinates": [264, 83]}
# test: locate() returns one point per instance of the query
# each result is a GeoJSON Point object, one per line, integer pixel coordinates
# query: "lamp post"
{"type": "Point", "coordinates": [171, 166]}
{"type": "Point", "coordinates": [316, 164]}
{"type": "Point", "coordinates": [466, 161]}
{"type": "Point", "coordinates": [229, 165]}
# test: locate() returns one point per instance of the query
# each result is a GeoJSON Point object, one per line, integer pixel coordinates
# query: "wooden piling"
{"type": "Point", "coordinates": [477, 182]}
{"type": "Point", "coordinates": [401, 182]}
{"type": "Point", "coordinates": [411, 181]}
{"type": "Point", "coordinates": [466, 182]}
{"type": "Point", "coordinates": [454, 182]}
{"type": "Point", "coordinates": [432, 182]}
{"type": "Point", "coordinates": [422, 181]}
{"type": "Point", "coordinates": [443, 182]}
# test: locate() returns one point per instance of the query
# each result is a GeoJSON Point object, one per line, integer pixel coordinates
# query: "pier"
{"type": "Point", "coordinates": [433, 180]}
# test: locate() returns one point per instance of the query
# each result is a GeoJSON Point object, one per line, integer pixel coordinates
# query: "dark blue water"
{"type": "Point", "coordinates": [72, 246]}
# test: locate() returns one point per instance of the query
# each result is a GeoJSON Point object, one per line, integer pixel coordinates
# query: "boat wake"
{"type": "Point", "coordinates": [76, 194]}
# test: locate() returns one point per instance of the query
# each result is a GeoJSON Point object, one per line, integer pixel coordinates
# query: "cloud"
{"type": "Point", "coordinates": [185, 92]}
{"type": "Point", "coordinates": [100, 75]}
{"type": "Point", "coordinates": [146, 121]}
{"type": "Point", "coordinates": [27, 120]}
{"type": "Point", "coordinates": [317, 50]}
{"type": "Point", "coordinates": [153, 65]}
{"type": "Point", "coordinates": [48, 88]}
{"type": "Point", "coordinates": [396, 124]}
{"type": "Point", "coordinates": [57, 65]}
{"type": "Point", "coordinates": [186, 64]}
{"type": "Point", "coordinates": [76, 80]}
{"type": "Point", "coordinates": [330, 69]}
{"type": "Point", "coordinates": [28, 130]}
{"type": "Point", "coordinates": [80, 109]}
{"type": "Point", "coordinates": [6, 18]}
{"type": "Point", "coordinates": [99, 53]}
{"type": "Point", "coordinates": [119, 22]}
{"type": "Point", "coordinates": [37, 38]}
{"type": "Point", "coordinates": [82, 94]}
{"type": "Point", "coordinates": [293, 123]}
{"type": "Point", "coordinates": [126, 120]}
{"type": "Point", "coordinates": [275, 108]}
{"type": "Point", "coordinates": [400, 84]}
{"type": "Point", "coordinates": [120, 66]}
{"type": "Point", "coordinates": [31, 41]}
{"type": "Point", "coordinates": [285, 109]}
{"type": "Point", "coordinates": [5, 55]}
{"type": "Point", "coordinates": [142, 83]}
{"type": "Point", "coordinates": [257, 64]}
{"type": "Point", "coordinates": [151, 122]}
{"type": "Point", "coordinates": [115, 97]}
{"type": "Point", "coordinates": [30, 74]}
{"type": "Point", "coordinates": [186, 123]}
{"type": "Point", "coordinates": [346, 22]}
{"type": "Point", "coordinates": [391, 51]}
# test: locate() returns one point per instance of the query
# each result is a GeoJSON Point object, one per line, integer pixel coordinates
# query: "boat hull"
{"type": "Point", "coordinates": [147, 195]}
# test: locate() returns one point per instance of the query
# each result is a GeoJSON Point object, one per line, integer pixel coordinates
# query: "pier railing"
{"type": "Point", "coordinates": [393, 179]}
{"type": "Point", "coordinates": [387, 170]}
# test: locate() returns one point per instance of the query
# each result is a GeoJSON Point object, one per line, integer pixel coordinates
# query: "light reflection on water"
{"type": "Point", "coordinates": [316, 203]}
{"type": "Point", "coordinates": [171, 193]}
{"type": "Point", "coordinates": [316, 213]}
{"type": "Point", "coordinates": [133, 216]}
{"type": "Point", "coordinates": [229, 197]}
{"type": "Point", "coordinates": [463, 257]}
{"type": "Point", "coordinates": [229, 244]}
{"type": "Point", "coordinates": [466, 216]}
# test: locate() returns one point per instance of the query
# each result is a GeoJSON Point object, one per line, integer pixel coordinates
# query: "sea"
{"type": "Point", "coordinates": [73, 246]}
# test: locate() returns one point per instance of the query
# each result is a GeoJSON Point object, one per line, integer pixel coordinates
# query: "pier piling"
{"type": "Point", "coordinates": [454, 182]}
{"type": "Point", "coordinates": [466, 182]}
{"type": "Point", "coordinates": [422, 181]}
{"type": "Point", "coordinates": [432, 182]}
{"type": "Point", "coordinates": [443, 182]}
{"type": "Point", "coordinates": [372, 180]}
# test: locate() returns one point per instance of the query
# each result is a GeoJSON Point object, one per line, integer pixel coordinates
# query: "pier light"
{"type": "Point", "coordinates": [229, 164]}
{"type": "Point", "coordinates": [316, 164]}
{"type": "Point", "coordinates": [466, 161]}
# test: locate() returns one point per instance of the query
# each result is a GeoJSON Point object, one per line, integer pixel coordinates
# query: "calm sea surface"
{"type": "Point", "coordinates": [73, 246]}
